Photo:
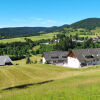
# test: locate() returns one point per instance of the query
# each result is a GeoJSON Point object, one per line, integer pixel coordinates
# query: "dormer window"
{"type": "Point", "coordinates": [89, 56]}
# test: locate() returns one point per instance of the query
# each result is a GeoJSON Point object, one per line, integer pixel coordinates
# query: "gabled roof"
{"type": "Point", "coordinates": [5, 59]}
{"type": "Point", "coordinates": [82, 54]}
{"type": "Point", "coordinates": [55, 55]}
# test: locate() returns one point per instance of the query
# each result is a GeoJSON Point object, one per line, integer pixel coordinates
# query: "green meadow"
{"type": "Point", "coordinates": [48, 82]}
{"type": "Point", "coordinates": [34, 38]}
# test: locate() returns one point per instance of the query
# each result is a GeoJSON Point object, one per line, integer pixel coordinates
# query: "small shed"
{"type": "Point", "coordinates": [5, 60]}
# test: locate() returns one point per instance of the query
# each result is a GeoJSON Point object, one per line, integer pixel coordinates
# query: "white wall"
{"type": "Point", "coordinates": [73, 62]}
{"type": "Point", "coordinates": [43, 60]}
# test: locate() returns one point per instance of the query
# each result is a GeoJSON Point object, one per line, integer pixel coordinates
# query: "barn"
{"type": "Point", "coordinates": [83, 57]}
{"type": "Point", "coordinates": [5, 60]}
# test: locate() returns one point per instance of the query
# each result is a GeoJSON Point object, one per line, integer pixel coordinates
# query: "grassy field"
{"type": "Point", "coordinates": [34, 38]}
{"type": "Point", "coordinates": [48, 82]}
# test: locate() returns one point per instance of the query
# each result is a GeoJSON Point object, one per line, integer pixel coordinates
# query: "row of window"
{"type": "Point", "coordinates": [58, 57]}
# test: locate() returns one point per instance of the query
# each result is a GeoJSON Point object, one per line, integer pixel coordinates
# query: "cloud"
{"type": "Point", "coordinates": [49, 21]}
{"type": "Point", "coordinates": [42, 22]}
{"type": "Point", "coordinates": [32, 22]}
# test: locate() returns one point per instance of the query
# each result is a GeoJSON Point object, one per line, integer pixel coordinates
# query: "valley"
{"type": "Point", "coordinates": [29, 79]}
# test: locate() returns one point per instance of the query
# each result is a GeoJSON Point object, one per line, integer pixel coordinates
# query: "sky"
{"type": "Point", "coordinates": [46, 13]}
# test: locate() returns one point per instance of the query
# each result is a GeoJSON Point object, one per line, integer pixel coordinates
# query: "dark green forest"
{"type": "Point", "coordinates": [24, 31]}
{"type": "Point", "coordinates": [89, 24]}
{"type": "Point", "coordinates": [20, 31]}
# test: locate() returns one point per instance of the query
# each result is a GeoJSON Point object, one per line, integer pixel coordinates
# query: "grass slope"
{"type": "Point", "coordinates": [67, 84]}
{"type": "Point", "coordinates": [34, 38]}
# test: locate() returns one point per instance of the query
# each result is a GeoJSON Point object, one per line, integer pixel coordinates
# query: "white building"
{"type": "Point", "coordinates": [83, 57]}
{"type": "Point", "coordinates": [5, 60]}
{"type": "Point", "coordinates": [75, 59]}
{"type": "Point", "coordinates": [55, 57]}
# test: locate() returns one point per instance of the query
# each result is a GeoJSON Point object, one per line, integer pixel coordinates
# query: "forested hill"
{"type": "Point", "coordinates": [20, 31]}
{"type": "Point", "coordinates": [90, 23]}
{"type": "Point", "coordinates": [25, 31]}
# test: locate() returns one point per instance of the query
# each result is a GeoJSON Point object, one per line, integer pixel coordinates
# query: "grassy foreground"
{"type": "Point", "coordinates": [47, 82]}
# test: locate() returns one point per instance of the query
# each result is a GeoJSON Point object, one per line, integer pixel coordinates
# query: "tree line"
{"type": "Point", "coordinates": [19, 50]}
{"type": "Point", "coordinates": [66, 44]}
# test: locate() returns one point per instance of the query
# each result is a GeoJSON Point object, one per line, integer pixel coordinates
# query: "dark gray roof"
{"type": "Point", "coordinates": [55, 55]}
{"type": "Point", "coordinates": [83, 54]}
{"type": "Point", "coordinates": [5, 59]}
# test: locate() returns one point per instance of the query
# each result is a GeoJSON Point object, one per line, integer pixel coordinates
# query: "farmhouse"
{"type": "Point", "coordinates": [55, 57]}
{"type": "Point", "coordinates": [5, 60]}
{"type": "Point", "coordinates": [83, 57]}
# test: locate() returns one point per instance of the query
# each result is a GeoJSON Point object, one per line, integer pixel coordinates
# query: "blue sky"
{"type": "Point", "coordinates": [46, 12]}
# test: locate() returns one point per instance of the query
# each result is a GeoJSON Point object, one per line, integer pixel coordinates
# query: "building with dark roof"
{"type": "Point", "coordinates": [5, 60]}
{"type": "Point", "coordinates": [55, 57]}
{"type": "Point", "coordinates": [83, 57]}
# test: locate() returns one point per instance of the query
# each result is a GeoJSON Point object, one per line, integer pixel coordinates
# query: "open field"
{"type": "Point", "coordinates": [48, 82]}
{"type": "Point", "coordinates": [34, 38]}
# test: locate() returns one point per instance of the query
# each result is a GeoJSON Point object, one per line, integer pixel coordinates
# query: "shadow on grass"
{"type": "Point", "coordinates": [26, 85]}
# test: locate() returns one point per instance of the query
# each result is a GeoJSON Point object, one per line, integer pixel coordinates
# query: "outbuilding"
{"type": "Point", "coordinates": [5, 60]}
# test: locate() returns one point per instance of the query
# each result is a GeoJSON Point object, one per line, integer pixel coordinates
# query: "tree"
{"type": "Point", "coordinates": [76, 36]}
{"type": "Point", "coordinates": [28, 61]}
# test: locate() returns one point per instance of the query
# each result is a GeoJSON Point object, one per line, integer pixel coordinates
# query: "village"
{"type": "Point", "coordinates": [74, 58]}
{"type": "Point", "coordinates": [78, 58]}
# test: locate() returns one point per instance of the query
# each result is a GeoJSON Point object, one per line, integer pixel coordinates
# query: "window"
{"type": "Point", "coordinates": [64, 56]}
{"type": "Point", "coordinates": [89, 56]}
{"type": "Point", "coordinates": [98, 54]}
{"type": "Point", "coordinates": [54, 57]}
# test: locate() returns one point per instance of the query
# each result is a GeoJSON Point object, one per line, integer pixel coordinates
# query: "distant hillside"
{"type": "Point", "coordinates": [20, 31]}
{"type": "Point", "coordinates": [25, 31]}
{"type": "Point", "coordinates": [90, 23]}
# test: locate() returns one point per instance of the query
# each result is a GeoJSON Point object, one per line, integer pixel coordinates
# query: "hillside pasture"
{"type": "Point", "coordinates": [33, 38]}
{"type": "Point", "coordinates": [48, 82]}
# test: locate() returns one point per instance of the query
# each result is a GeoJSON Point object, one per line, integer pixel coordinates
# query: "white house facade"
{"type": "Point", "coordinates": [73, 62]}
{"type": "Point", "coordinates": [43, 60]}
{"type": "Point", "coordinates": [83, 57]}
